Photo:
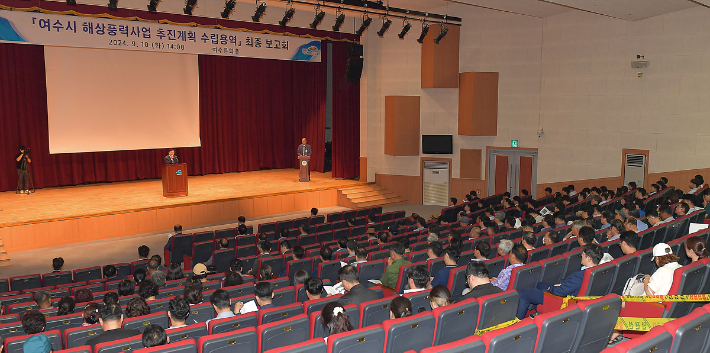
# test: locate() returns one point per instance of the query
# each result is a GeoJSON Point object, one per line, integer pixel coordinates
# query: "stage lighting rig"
{"type": "Point", "coordinates": [386, 23]}
{"type": "Point", "coordinates": [425, 30]}
{"type": "Point", "coordinates": [228, 7]}
{"type": "Point", "coordinates": [287, 16]}
{"type": "Point", "coordinates": [366, 20]}
{"type": "Point", "coordinates": [339, 19]}
{"type": "Point", "coordinates": [113, 4]}
{"type": "Point", "coordinates": [444, 30]}
{"type": "Point", "coordinates": [153, 5]}
{"type": "Point", "coordinates": [405, 29]}
{"type": "Point", "coordinates": [320, 14]}
{"type": "Point", "coordinates": [260, 9]}
{"type": "Point", "coordinates": [189, 6]}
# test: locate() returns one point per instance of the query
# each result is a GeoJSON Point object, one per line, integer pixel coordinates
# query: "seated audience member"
{"type": "Point", "coordinates": [36, 344]}
{"type": "Point", "coordinates": [464, 221]}
{"type": "Point", "coordinates": [440, 296]}
{"type": "Point", "coordinates": [335, 319]}
{"type": "Point", "coordinates": [481, 251]}
{"type": "Point", "coordinates": [110, 298]}
{"type": "Point", "coordinates": [154, 335]}
{"type": "Point", "coordinates": [223, 244]}
{"type": "Point", "coordinates": [433, 230]}
{"type": "Point", "coordinates": [57, 264]}
{"type": "Point", "coordinates": [178, 312]}
{"type": "Point", "coordinates": [223, 306]}
{"type": "Point", "coordinates": [143, 252]}
{"type": "Point", "coordinates": [453, 201]}
{"type": "Point", "coordinates": [264, 295]}
{"type": "Point", "coordinates": [92, 313]}
{"type": "Point", "coordinates": [356, 292]}
{"type": "Point", "coordinates": [434, 250]}
{"type": "Point", "coordinates": [314, 212]}
{"type": "Point", "coordinates": [314, 288]}
{"type": "Point", "coordinates": [285, 247]}
{"type": "Point", "coordinates": [615, 229]}
{"type": "Point", "coordinates": [284, 233]}
{"type": "Point", "coordinates": [152, 267]}
{"type": "Point", "coordinates": [304, 229]}
{"type": "Point", "coordinates": [505, 247]}
{"type": "Point", "coordinates": [653, 218]}
{"type": "Point", "coordinates": [479, 283]}
{"type": "Point", "coordinates": [696, 249]}
{"type": "Point", "coordinates": [158, 277]}
{"type": "Point", "coordinates": [110, 272]}
{"type": "Point", "coordinates": [300, 277]}
{"type": "Point", "coordinates": [475, 232]}
{"type": "Point", "coordinates": [666, 214]}
{"type": "Point", "coordinates": [628, 241]}
{"type": "Point", "coordinates": [111, 323]}
{"type": "Point", "coordinates": [33, 322]}
{"type": "Point", "coordinates": [574, 232]}
{"type": "Point", "coordinates": [417, 279]}
{"type": "Point", "coordinates": [360, 256]}
{"type": "Point", "coordinates": [199, 273]}
{"type": "Point", "coordinates": [66, 306]}
{"type": "Point", "coordinates": [342, 244]}
{"type": "Point", "coordinates": [693, 202]}
{"type": "Point", "coordinates": [139, 275]}
{"type": "Point", "coordinates": [394, 262]}
{"type": "Point", "coordinates": [159, 259]}
{"type": "Point", "coordinates": [631, 224]}
{"type": "Point", "coordinates": [326, 254]}
{"type": "Point", "coordinates": [265, 273]}
{"type": "Point", "coordinates": [148, 290]}
{"type": "Point", "coordinates": [548, 222]}
{"type": "Point", "coordinates": [551, 237]}
{"type": "Point", "coordinates": [528, 240]}
{"type": "Point", "coordinates": [661, 281]}
{"type": "Point", "coordinates": [352, 246]}
{"type": "Point", "coordinates": [591, 255]}
{"type": "Point", "coordinates": [559, 220]}
{"type": "Point", "coordinates": [42, 299]}
{"type": "Point", "coordinates": [174, 273]}
{"type": "Point", "coordinates": [126, 288]}
{"type": "Point", "coordinates": [83, 295]}
{"type": "Point", "coordinates": [518, 256]}
{"type": "Point", "coordinates": [371, 235]}
{"type": "Point", "coordinates": [233, 279]}
{"type": "Point", "coordinates": [400, 307]}
{"type": "Point", "coordinates": [137, 307]}
{"type": "Point", "coordinates": [193, 294]}
{"type": "Point", "coordinates": [451, 256]}
{"type": "Point", "coordinates": [420, 224]}
{"type": "Point", "coordinates": [371, 219]}
{"type": "Point", "coordinates": [681, 210]}
{"type": "Point", "coordinates": [382, 237]}
{"type": "Point", "coordinates": [177, 229]}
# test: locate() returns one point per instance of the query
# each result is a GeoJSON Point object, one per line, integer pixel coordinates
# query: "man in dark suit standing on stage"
{"type": "Point", "coordinates": [171, 158]}
{"type": "Point", "coordinates": [304, 149]}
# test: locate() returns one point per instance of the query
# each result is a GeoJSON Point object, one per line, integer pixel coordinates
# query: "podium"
{"type": "Point", "coordinates": [305, 163]}
{"type": "Point", "coordinates": [174, 180]}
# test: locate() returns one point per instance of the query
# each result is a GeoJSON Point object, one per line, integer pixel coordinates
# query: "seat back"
{"type": "Point", "coordinates": [497, 308]}
{"type": "Point", "coordinates": [597, 280]}
{"type": "Point", "coordinates": [368, 339]}
{"type": "Point", "coordinates": [57, 278]}
{"type": "Point", "coordinates": [141, 322]}
{"type": "Point", "coordinates": [370, 270]}
{"type": "Point", "coordinates": [248, 239]}
{"type": "Point", "coordinates": [245, 251]}
{"type": "Point", "coordinates": [123, 345]}
{"type": "Point", "coordinates": [21, 283]}
{"type": "Point", "coordinates": [294, 266]}
{"type": "Point", "coordinates": [690, 333]}
{"type": "Point", "coordinates": [284, 296]}
{"type": "Point", "coordinates": [14, 344]}
{"type": "Point", "coordinates": [558, 248]}
{"type": "Point", "coordinates": [182, 346]}
{"type": "Point", "coordinates": [599, 317]}
{"type": "Point", "coordinates": [374, 312]}
{"type": "Point", "coordinates": [270, 315]}
{"type": "Point", "coordinates": [201, 252]}
{"type": "Point", "coordinates": [525, 276]}
{"type": "Point", "coordinates": [686, 280]}
{"type": "Point", "coordinates": [420, 301]}
{"type": "Point", "coordinates": [457, 282]}
{"type": "Point", "coordinates": [470, 344]}
{"type": "Point", "coordinates": [201, 313]}
{"type": "Point", "coordinates": [519, 338]}
{"type": "Point", "coordinates": [11, 329]}
{"type": "Point", "coordinates": [311, 346]}
{"type": "Point", "coordinates": [311, 306]}
{"type": "Point", "coordinates": [645, 265]}
{"type": "Point", "coordinates": [194, 331]}
{"type": "Point", "coordinates": [538, 254]}
{"type": "Point", "coordinates": [316, 324]}
{"type": "Point", "coordinates": [495, 265]}
{"type": "Point", "coordinates": [329, 270]}
{"type": "Point", "coordinates": [243, 341]}
{"type": "Point", "coordinates": [221, 258]}
{"type": "Point", "coordinates": [87, 274]}
{"type": "Point", "coordinates": [552, 269]}
{"type": "Point", "coordinates": [237, 322]}
{"type": "Point", "coordinates": [203, 236]}
{"type": "Point", "coordinates": [75, 337]}
{"type": "Point", "coordinates": [5, 319]}
{"type": "Point", "coordinates": [402, 278]}
{"type": "Point", "coordinates": [182, 245]}
{"type": "Point", "coordinates": [655, 340]}
{"type": "Point", "coordinates": [282, 333]}
{"type": "Point", "coordinates": [574, 262]}
{"type": "Point", "coordinates": [276, 263]}
{"type": "Point", "coordinates": [62, 323]}
{"type": "Point", "coordinates": [557, 330]}
{"type": "Point", "coordinates": [625, 268]}
{"type": "Point", "coordinates": [455, 321]}
{"type": "Point", "coordinates": [409, 333]}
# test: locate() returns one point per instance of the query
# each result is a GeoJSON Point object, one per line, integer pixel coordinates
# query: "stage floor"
{"type": "Point", "coordinates": [72, 202]}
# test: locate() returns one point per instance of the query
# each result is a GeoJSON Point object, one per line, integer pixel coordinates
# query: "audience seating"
{"type": "Point", "coordinates": [282, 333]}
{"type": "Point", "coordinates": [14, 344]}
{"type": "Point", "coordinates": [455, 321]}
{"type": "Point", "coordinates": [316, 345]}
{"type": "Point", "coordinates": [411, 332]}
{"type": "Point", "coordinates": [237, 322]}
{"type": "Point", "coordinates": [57, 278]}
{"type": "Point", "coordinates": [368, 339]}
{"type": "Point", "coordinates": [374, 312]}
{"type": "Point", "coordinates": [123, 345]}
{"type": "Point", "coordinates": [21, 283]}
{"type": "Point", "coordinates": [265, 316]}
{"type": "Point", "coordinates": [599, 317]}
{"type": "Point", "coordinates": [141, 322]}
{"type": "Point", "coordinates": [497, 308]}
{"type": "Point", "coordinates": [284, 296]}
{"type": "Point", "coordinates": [184, 346]}
{"type": "Point", "coordinates": [316, 325]}
{"type": "Point", "coordinates": [690, 333]}
{"type": "Point", "coordinates": [420, 301]}
{"type": "Point", "coordinates": [470, 344]}
{"type": "Point", "coordinates": [518, 338]}
{"type": "Point", "coordinates": [80, 349]}
{"type": "Point", "coordinates": [190, 332]}
{"type": "Point", "coordinates": [557, 330]}
{"type": "Point", "coordinates": [655, 340]}
{"type": "Point", "coordinates": [525, 276]}
{"type": "Point", "coordinates": [244, 340]}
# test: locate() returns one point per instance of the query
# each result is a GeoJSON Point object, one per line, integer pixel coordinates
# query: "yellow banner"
{"type": "Point", "coordinates": [639, 323]}
{"type": "Point", "coordinates": [496, 327]}
{"type": "Point", "coordinates": [648, 299]}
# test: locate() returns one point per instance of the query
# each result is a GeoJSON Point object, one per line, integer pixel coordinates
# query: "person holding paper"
{"type": "Point", "coordinates": [222, 305]}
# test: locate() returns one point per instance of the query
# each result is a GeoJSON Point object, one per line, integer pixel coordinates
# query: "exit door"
{"type": "Point", "coordinates": [512, 171]}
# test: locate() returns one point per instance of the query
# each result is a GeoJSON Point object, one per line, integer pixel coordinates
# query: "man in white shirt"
{"type": "Point", "coordinates": [178, 311]}
{"type": "Point", "coordinates": [666, 214]}
{"type": "Point", "coordinates": [222, 305]}
{"type": "Point", "coordinates": [360, 256]}
{"type": "Point", "coordinates": [417, 279]}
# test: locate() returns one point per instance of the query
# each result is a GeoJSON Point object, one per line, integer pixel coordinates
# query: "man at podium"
{"type": "Point", "coordinates": [171, 158]}
{"type": "Point", "coordinates": [304, 149]}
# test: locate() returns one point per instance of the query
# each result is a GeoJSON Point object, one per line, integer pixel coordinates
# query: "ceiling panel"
{"type": "Point", "coordinates": [630, 10]}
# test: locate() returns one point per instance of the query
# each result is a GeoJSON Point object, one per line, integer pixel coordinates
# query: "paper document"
{"type": "Point", "coordinates": [249, 307]}
{"type": "Point", "coordinates": [694, 227]}
{"type": "Point", "coordinates": [336, 289]}
{"type": "Point", "coordinates": [374, 281]}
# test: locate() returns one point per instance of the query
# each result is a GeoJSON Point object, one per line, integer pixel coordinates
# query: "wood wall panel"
{"type": "Point", "coordinates": [402, 125]}
{"type": "Point", "coordinates": [478, 104]}
{"type": "Point", "coordinates": [501, 177]}
{"type": "Point", "coordinates": [363, 169]}
{"type": "Point", "coordinates": [470, 164]}
{"type": "Point", "coordinates": [440, 62]}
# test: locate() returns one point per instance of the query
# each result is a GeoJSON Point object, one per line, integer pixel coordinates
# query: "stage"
{"type": "Point", "coordinates": [65, 215]}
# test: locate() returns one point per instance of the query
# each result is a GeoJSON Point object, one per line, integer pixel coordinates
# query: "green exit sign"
{"type": "Point", "coordinates": [514, 143]}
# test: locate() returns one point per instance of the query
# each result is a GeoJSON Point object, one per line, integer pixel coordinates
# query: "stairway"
{"type": "Point", "coordinates": [368, 195]}
{"type": "Point", "coordinates": [4, 259]}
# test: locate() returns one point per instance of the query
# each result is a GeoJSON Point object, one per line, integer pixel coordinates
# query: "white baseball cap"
{"type": "Point", "coordinates": [661, 249]}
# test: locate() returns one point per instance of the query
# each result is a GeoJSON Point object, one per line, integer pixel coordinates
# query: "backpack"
{"type": "Point", "coordinates": [634, 286]}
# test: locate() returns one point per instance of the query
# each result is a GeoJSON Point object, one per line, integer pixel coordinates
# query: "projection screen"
{"type": "Point", "coordinates": [112, 100]}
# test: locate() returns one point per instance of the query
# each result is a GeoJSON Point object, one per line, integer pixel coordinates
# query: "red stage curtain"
{"type": "Point", "coordinates": [253, 113]}
{"type": "Point", "coordinates": [346, 118]}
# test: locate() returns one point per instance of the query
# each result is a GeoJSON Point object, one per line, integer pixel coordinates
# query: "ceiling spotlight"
{"type": "Point", "coordinates": [405, 29]}
{"type": "Point", "coordinates": [441, 36]}
{"type": "Point", "coordinates": [259, 11]}
{"type": "Point", "coordinates": [366, 20]}
{"type": "Point", "coordinates": [320, 14]}
{"type": "Point", "coordinates": [287, 17]}
{"type": "Point", "coordinates": [339, 19]}
{"type": "Point", "coordinates": [425, 30]}
{"type": "Point", "coordinates": [113, 4]}
{"type": "Point", "coordinates": [228, 7]}
{"type": "Point", "coordinates": [386, 22]}
{"type": "Point", "coordinates": [153, 5]}
{"type": "Point", "coordinates": [189, 6]}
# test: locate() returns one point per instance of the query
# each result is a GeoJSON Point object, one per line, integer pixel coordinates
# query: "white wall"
{"type": "Point", "coordinates": [569, 74]}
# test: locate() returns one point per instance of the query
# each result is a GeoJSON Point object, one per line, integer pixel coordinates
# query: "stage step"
{"type": "Point", "coordinates": [4, 259]}
{"type": "Point", "coordinates": [369, 195]}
